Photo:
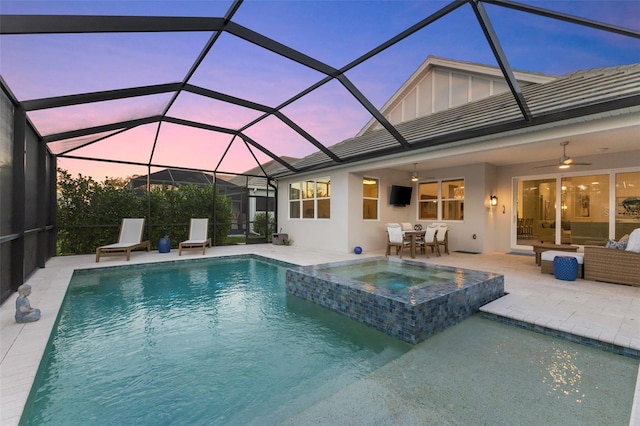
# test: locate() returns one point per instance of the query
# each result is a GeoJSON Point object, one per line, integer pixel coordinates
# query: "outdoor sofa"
{"type": "Point", "coordinates": [611, 265]}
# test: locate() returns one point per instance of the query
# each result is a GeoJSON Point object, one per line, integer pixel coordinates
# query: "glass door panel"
{"type": "Point", "coordinates": [585, 209]}
{"type": "Point", "coordinates": [536, 207]}
{"type": "Point", "coordinates": [627, 203]}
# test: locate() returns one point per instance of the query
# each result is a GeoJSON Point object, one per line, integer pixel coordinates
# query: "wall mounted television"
{"type": "Point", "coordinates": [400, 195]}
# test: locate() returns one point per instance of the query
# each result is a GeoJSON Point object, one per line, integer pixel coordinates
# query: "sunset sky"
{"type": "Point", "coordinates": [334, 32]}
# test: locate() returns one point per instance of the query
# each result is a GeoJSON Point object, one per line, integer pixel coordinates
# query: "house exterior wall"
{"type": "Point", "coordinates": [371, 234]}
{"type": "Point", "coordinates": [323, 234]}
{"type": "Point", "coordinates": [493, 227]}
{"type": "Point", "coordinates": [493, 213]}
{"type": "Point", "coordinates": [347, 229]}
{"type": "Point", "coordinates": [477, 183]}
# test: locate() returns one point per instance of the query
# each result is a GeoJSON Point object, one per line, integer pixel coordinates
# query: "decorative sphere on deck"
{"type": "Point", "coordinates": [357, 249]}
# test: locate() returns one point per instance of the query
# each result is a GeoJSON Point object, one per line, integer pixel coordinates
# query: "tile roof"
{"type": "Point", "coordinates": [571, 96]}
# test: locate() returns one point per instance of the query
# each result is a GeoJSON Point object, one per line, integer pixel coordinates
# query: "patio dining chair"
{"type": "Point", "coordinates": [443, 237]}
{"type": "Point", "coordinates": [431, 239]}
{"type": "Point", "coordinates": [396, 239]}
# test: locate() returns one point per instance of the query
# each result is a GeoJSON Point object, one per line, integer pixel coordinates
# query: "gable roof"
{"type": "Point", "coordinates": [572, 96]}
{"type": "Point", "coordinates": [434, 62]}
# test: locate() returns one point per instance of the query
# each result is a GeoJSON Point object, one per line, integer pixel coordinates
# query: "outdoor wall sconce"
{"type": "Point", "coordinates": [493, 200]}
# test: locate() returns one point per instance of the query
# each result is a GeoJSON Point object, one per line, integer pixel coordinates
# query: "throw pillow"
{"type": "Point", "coordinates": [618, 245]}
{"type": "Point", "coordinates": [634, 241]}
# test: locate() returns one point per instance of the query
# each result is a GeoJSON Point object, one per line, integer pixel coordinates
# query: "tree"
{"type": "Point", "coordinates": [90, 212]}
{"type": "Point", "coordinates": [172, 208]}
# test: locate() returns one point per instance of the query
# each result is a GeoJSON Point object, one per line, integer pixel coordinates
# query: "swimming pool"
{"type": "Point", "coordinates": [477, 371]}
{"type": "Point", "coordinates": [192, 342]}
{"type": "Point", "coordinates": [405, 299]}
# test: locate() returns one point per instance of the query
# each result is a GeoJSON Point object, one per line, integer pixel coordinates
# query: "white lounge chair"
{"type": "Point", "coordinates": [198, 236]}
{"type": "Point", "coordinates": [130, 238]}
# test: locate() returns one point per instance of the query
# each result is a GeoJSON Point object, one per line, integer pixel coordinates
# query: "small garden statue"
{"type": "Point", "coordinates": [24, 311]}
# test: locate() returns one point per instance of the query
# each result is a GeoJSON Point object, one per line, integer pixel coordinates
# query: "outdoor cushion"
{"type": "Point", "coordinates": [549, 255]}
{"type": "Point", "coordinates": [634, 241]}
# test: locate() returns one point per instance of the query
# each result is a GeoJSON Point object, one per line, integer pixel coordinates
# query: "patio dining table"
{"type": "Point", "coordinates": [414, 236]}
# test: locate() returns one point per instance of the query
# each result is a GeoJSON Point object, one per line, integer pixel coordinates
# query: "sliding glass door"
{"type": "Point", "coordinates": [627, 203]}
{"type": "Point", "coordinates": [582, 210]}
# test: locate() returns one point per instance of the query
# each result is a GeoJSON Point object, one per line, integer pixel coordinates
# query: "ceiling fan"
{"type": "Point", "coordinates": [415, 177]}
{"type": "Point", "coordinates": [565, 161]}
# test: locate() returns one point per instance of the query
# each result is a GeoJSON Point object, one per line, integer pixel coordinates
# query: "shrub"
{"type": "Point", "coordinates": [90, 212]}
{"type": "Point", "coordinates": [264, 224]}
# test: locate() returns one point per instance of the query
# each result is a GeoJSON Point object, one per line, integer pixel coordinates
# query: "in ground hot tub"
{"type": "Point", "coordinates": [406, 299]}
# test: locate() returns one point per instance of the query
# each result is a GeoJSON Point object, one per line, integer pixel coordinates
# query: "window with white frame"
{"type": "Point", "coordinates": [294, 200]}
{"type": "Point", "coordinates": [443, 200]}
{"type": "Point", "coordinates": [370, 198]}
{"type": "Point", "coordinates": [428, 201]}
{"type": "Point", "coordinates": [452, 199]}
{"type": "Point", "coordinates": [310, 199]}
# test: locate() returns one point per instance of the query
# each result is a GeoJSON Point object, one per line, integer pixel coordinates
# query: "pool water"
{"type": "Point", "coordinates": [483, 372]}
{"type": "Point", "coordinates": [204, 342]}
{"type": "Point", "coordinates": [393, 275]}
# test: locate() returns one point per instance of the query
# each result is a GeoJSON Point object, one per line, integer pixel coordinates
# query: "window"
{"type": "Point", "coordinates": [370, 194]}
{"type": "Point", "coordinates": [441, 200]}
{"type": "Point", "coordinates": [294, 201]}
{"type": "Point", "coordinates": [310, 199]}
{"type": "Point", "coordinates": [323, 192]}
{"type": "Point", "coordinates": [453, 199]}
{"type": "Point", "coordinates": [428, 201]}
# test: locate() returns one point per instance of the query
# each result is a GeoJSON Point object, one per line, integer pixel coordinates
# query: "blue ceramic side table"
{"type": "Point", "coordinates": [565, 268]}
{"type": "Point", "coordinates": [164, 245]}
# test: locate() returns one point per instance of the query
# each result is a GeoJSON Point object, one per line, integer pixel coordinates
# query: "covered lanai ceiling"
{"type": "Point", "coordinates": [222, 86]}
